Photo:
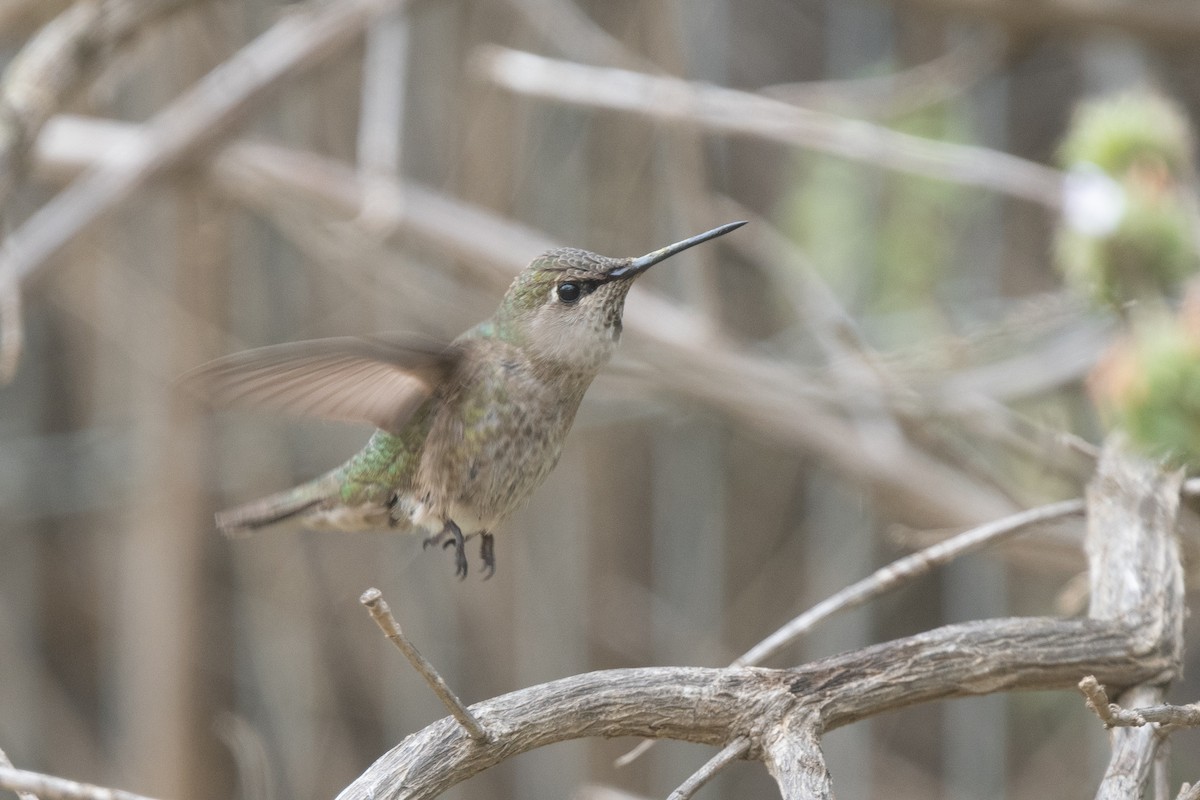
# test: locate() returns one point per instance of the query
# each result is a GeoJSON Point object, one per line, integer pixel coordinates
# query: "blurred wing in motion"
{"type": "Point", "coordinates": [377, 379]}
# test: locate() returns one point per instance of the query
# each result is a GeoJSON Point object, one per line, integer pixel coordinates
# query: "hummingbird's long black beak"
{"type": "Point", "coordinates": [643, 263]}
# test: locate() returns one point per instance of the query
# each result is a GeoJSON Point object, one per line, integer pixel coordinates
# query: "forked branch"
{"type": "Point", "coordinates": [782, 713]}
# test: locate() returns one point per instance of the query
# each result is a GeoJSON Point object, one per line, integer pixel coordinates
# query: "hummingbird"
{"type": "Point", "coordinates": [465, 431]}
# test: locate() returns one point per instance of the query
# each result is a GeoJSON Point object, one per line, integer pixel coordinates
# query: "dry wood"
{"type": "Point", "coordinates": [1135, 639]}
{"type": "Point", "coordinates": [1169, 21]}
{"type": "Point", "coordinates": [1113, 715]}
{"type": "Point", "coordinates": [373, 600]}
{"type": "Point", "coordinates": [49, 787]}
{"type": "Point", "coordinates": [904, 570]}
{"type": "Point", "coordinates": [196, 119]}
{"type": "Point", "coordinates": [1132, 507]}
{"type": "Point", "coordinates": [737, 113]}
{"type": "Point", "coordinates": [727, 755]}
{"type": "Point", "coordinates": [6, 764]}
{"type": "Point", "coordinates": [714, 706]}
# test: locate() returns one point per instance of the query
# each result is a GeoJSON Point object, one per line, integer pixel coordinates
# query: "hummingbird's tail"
{"type": "Point", "coordinates": [256, 514]}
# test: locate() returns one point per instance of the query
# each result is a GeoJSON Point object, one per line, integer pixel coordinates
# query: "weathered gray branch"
{"type": "Point", "coordinates": [1135, 639]}
{"type": "Point", "coordinates": [1113, 715]}
{"type": "Point", "coordinates": [904, 570]}
{"type": "Point", "coordinates": [738, 113]}
{"type": "Point", "coordinates": [1136, 576]}
{"type": "Point", "coordinates": [792, 754]}
{"type": "Point", "coordinates": [6, 764]}
{"type": "Point", "coordinates": [714, 706]}
{"type": "Point", "coordinates": [725, 756]}
{"type": "Point", "coordinates": [1167, 21]}
{"type": "Point", "coordinates": [373, 599]}
{"type": "Point", "coordinates": [198, 118]}
{"type": "Point", "coordinates": [49, 787]}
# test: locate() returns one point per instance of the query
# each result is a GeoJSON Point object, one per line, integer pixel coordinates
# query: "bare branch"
{"type": "Point", "coordinates": [1113, 715]}
{"type": "Point", "coordinates": [63, 57]}
{"type": "Point", "coordinates": [727, 755]}
{"type": "Point", "coordinates": [1136, 575]}
{"type": "Point", "coordinates": [1097, 700]}
{"type": "Point", "coordinates": [1134, 639]}
{"type": "Point", "coordinates": [737, 113]}
{"type": "Point", "coordinates": [905, 91]}
{"type": "Point", "coordinates": [633, 755]}
{"type": "Point", "coordinates": [1189, 792]}
{"type": "Point", "coordinates": [1134, 751]}
{"type": "Point", "coordinates": [196, 119]}
{"type": "Point", "coordinates": [793, 757]}
{"type": "Point", "coordinates": [562, 24]}
{"type": "Point", "coordinates": [48, 787]}
{"type": "Point", "coordinates": [903, 570]}
{"type": "Point", "coordinates": [373, 600]}
{"type": "Point", "coordinates": [711, 706]}
{"type": "Point", "coordinates": [6, 764]}
{"type": "Point", "coordinates": [1171, 21]}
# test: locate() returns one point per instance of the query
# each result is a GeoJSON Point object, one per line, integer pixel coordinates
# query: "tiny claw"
{"type": "Point", "coordinates": [487, 552]}
{"type": "Point", "coordinates": [460, 552]}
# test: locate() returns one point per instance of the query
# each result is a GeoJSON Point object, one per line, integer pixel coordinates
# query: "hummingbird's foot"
{"type": "Point", "coordinates": [451, 536]}
{"type": "Point", "coordinates": [460, 548]}
{"type": "Point", "coordinates": [487, 552]}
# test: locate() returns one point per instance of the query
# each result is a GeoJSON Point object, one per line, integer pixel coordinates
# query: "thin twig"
{"type": "Point", "coordinates": [889, 577]}
{"type": "Point", "coordinates": [906, 91]}
{"type": "Point", "coordinates": [373, 600]}
{"type": "Point", "coordinates": [1168, 21]}
{"type": "Point", "coordinates": [727, 755]}
{"type": "Point", "coordinates": [7, 764]}
{"type": "Point", "coordinates": [1113, 716]}
{"type": "Point", "coordinates": [738, 113]}
{"type": "Point", "coordinates": [905, 569]}
{"type": "Point", "coordinates": [49, 787]}
{"type": "Point", "coordinates": [634, 754]}
{"type": "Point", "coordinates": [1097, 699]}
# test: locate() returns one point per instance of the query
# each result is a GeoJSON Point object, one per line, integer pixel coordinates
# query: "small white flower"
{"type": "Point", "coordinates": [1093, 203]}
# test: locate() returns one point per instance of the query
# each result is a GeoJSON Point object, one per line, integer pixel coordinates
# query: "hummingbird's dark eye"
{"type": "Point", "coordinates": [569, 291]}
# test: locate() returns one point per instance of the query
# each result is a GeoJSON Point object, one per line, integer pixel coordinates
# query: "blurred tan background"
{"type": "Point", "coordinates": [881, 356]}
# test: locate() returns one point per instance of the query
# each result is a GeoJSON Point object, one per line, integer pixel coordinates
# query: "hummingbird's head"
{"type": "Point", "coordinates": [566, 305]}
